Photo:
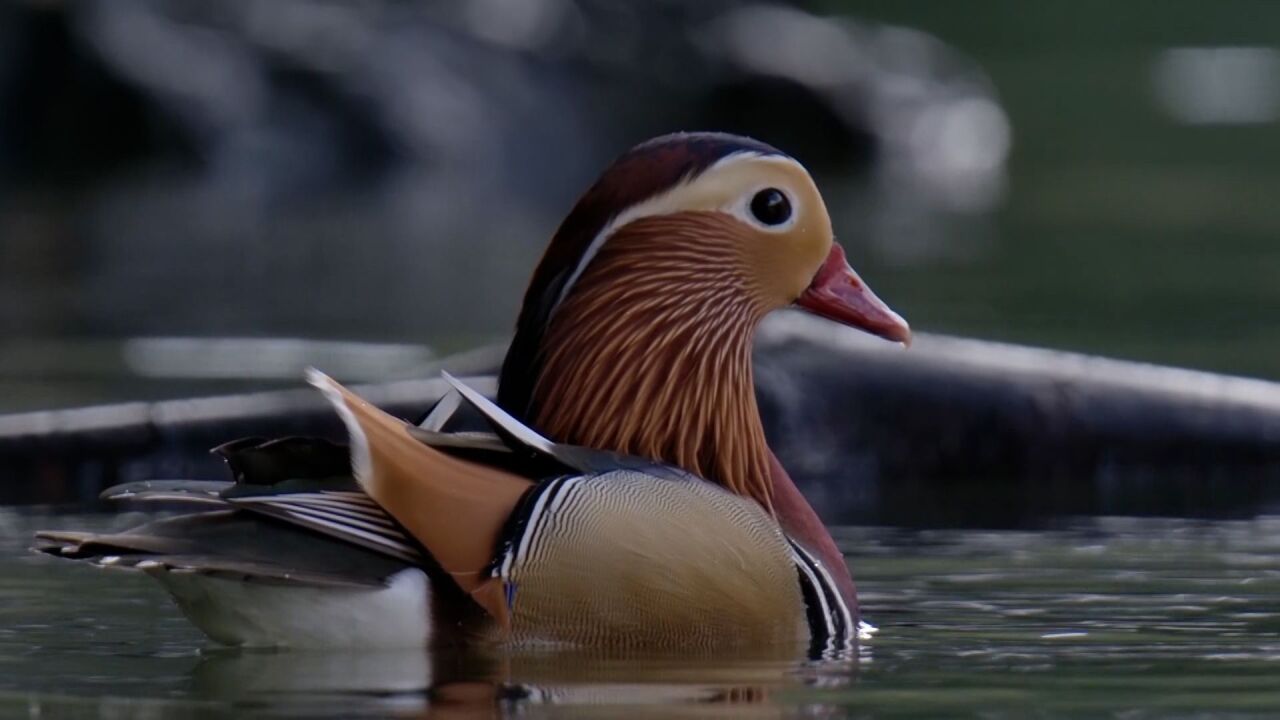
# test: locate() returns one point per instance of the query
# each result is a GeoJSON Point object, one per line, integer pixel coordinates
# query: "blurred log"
{"type": "Point", "coordinates": [964, 432]}
{"type": "Point", "coordinates": [64, 456]}
{"type": "Point", "coordinates": [950, 432]}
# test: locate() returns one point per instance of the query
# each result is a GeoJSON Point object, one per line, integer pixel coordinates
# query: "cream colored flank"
{"type": "Point", "coordinates": [628, 560]}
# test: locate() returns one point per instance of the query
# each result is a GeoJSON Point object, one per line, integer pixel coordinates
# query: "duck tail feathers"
{"type": "Point", "coordinates": [455, 508]}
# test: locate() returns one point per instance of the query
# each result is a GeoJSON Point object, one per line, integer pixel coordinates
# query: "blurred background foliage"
{"type": "Point", "coordinates": [1140, 219]}
{"type": "Point", "coordinates": [201, 197]}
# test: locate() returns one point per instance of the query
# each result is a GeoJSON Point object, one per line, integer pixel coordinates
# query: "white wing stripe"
{"type": "Point", "coordinates": [388, 541]}
{"type": "Point", "coordinates": [374, 513]}
{"type": "Point", "coordinates": [388, 531]}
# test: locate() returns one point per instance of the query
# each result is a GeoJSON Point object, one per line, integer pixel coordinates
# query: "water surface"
{"type": "Point", "coordinates": [1111, 617]}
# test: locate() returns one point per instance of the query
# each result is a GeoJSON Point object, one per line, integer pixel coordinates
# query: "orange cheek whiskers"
{"type": "Point", "coordinates": [650, 354]}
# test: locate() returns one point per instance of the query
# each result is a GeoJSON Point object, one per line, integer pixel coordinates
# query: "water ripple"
{"type": "Point", "coordinates": [1114, 617]}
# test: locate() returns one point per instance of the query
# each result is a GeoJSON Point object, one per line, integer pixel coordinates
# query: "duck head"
{"type": "Point", "coordinates": [635, 334]}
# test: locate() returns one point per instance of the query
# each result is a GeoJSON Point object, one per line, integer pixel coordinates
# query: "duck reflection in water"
{"type": "Point", "coordinates": [476, 683]}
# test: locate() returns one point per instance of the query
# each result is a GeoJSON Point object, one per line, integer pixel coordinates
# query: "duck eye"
{"type": "Point", "coordinates": [771, 207]}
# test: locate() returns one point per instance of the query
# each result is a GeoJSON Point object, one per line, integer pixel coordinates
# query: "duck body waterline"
{"type": "Point", "coordinates": [598, 549]}
{"type": "Point", "coordinates": [634, 502]}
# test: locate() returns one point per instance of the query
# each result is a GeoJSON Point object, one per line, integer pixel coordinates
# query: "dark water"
{"type": "Point", "coordinates": [1113, 617]}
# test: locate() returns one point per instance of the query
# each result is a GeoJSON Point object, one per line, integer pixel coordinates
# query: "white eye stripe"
{"type": "Point", "coordinates": [741, 209]}
{"type": "Point", "coordinates": [668, 201]}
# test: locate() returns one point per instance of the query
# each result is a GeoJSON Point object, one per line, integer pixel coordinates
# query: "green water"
{"type": "Point", "coordinates": [1112, 617]}
{"type": "Point", "coordinates": [1123, 231]}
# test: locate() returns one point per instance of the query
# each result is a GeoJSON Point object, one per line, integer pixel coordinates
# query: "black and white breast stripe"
{"type": "Point", "coordinates": [526, 525]}
{"type": "Point", "coordinates": [346, 515]}
{"type": "Point", "coordinates": [831, 625]}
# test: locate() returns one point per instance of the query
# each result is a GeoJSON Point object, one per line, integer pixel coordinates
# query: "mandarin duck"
{"type": "Point", "coordinates": [620, 493]}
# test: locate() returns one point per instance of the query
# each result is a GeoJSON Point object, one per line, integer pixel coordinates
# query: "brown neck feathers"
{"type": "Point", "coordinates": [650, 354]}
